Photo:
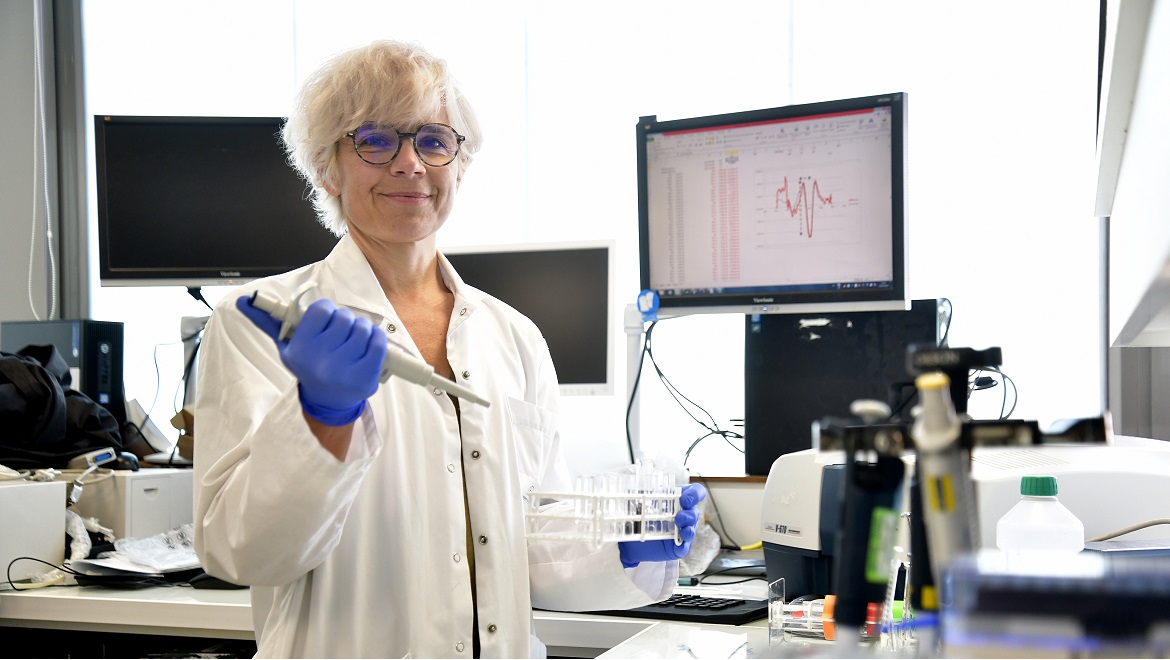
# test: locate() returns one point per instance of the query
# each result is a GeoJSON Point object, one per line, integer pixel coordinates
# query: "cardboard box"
{"type": "Point", "coordinates": [32, 524]}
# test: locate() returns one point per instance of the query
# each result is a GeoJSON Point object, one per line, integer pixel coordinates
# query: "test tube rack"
{"type": "Point", "coordinates": [603, 517]}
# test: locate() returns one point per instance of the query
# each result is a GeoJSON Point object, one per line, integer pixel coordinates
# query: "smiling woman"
{"type": "Point", "coordinates": [1001, 141]}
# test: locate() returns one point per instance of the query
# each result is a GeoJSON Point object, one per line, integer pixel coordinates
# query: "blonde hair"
{"type": "Point", "coordinates": [387, 82]}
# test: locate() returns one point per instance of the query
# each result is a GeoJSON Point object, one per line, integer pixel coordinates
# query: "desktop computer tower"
{"type": "Point", "coordinates": [799, 368]}
{"type": "Point", "coordinates": [92, 349]}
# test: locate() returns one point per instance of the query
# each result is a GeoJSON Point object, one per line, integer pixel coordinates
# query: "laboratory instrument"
{"type": "Point", "coordinates": [636, 505]}
{"type": "Point", "coordinates": [397, 362]}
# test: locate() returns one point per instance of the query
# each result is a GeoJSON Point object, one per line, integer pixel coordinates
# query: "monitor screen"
{"type": "Point", "coordinates": [565, 290]}
{"type": "Point", "coordinates": [198, 201]}
{"type": "Point", "coordinates": [790, 209]}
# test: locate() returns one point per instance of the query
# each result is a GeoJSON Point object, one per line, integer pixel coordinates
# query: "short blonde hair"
{"type": "Point", "coordinates": [387, 82]}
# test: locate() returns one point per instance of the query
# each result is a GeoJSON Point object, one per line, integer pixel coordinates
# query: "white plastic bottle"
{"type": "Point", "coordinates": [1039, 523]}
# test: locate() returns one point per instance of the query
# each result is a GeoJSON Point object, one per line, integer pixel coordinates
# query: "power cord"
{"type": "Point", "coordinates": [1131, 528]}
{"type": "Point", "coordinates": [712, 427]}
{"type": "Point", "coordinates": [978, 382]}
{"type": "Point", "coordinates": [726, 542]}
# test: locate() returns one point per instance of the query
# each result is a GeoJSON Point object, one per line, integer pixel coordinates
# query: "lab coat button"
{"type": "Point", "coordinates": [456, 557]}
{"type": "Point", "coordinates": [483, 540]}
{"type": "Point", "coordinates": [466, 375]}
{"type": "Point", "coordinates": [451, 468]}
{"type": "Point", "coordinates": [459, 647]}
{"type": "Point", "coordinates": [463, 312]}
{"type": "Point", "coordinates": [390, 327]}
{"type": "Point", "coordinates": [475, 455]}
{"type": "Point", "coordinates": [438, 392]}
{"type": "Point", "coordinates": [492, 628]}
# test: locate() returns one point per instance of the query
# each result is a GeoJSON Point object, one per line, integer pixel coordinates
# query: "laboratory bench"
{"type": "Point", "coordinates": [96, 621]}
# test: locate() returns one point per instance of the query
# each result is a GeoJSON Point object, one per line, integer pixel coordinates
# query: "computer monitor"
{"type": "Point", "coordinates": [791, 209]}
{"type": "Point", "coordinates": [564, 288]}
{"type": "Point", "coordinates": [195, 201]}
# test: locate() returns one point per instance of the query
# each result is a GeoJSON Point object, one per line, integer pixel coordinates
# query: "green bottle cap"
{"type": "Point", "coordinates": [1038, 486]}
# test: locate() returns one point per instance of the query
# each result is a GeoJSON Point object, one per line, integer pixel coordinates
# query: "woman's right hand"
{"type": "Point", "coordinates": [336, 357]}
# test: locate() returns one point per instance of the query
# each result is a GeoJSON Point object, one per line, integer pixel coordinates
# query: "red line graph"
{"type": "Point", "coordinates": [803, 201]}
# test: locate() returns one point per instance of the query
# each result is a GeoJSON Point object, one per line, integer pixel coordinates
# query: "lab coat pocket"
{"type": "Point", "coordinates": [534, 436]}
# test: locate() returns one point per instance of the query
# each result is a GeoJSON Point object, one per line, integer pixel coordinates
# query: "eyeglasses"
{"type": "Point", "coordinates": [436, 144]}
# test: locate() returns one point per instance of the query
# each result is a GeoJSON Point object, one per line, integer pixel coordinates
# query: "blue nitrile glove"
{"type": "Point", "coordinates": [633, 553]}
{"type": "Point", "coordinates": [335, 356]}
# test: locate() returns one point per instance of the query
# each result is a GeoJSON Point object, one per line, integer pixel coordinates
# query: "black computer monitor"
{"type": "Point", "coordinates": [195, 201]}
{"type": "Point", "coordinates": [564, 288]}
{"type": "Point", "coordinates": [802, 368]}
{"type": "Point", "coordinates": [791, 209]}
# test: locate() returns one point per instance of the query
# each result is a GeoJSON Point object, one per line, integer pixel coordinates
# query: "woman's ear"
{"type": "Point", "coordinates": [325, 176]}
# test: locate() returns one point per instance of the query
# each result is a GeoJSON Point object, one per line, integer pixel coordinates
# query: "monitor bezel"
{"type": "Point", "coordinates": [608, 387]}
{"type": "Point", "coordinates": [801, 302]}
{"type": "Point", "coordinates": [172, 276]}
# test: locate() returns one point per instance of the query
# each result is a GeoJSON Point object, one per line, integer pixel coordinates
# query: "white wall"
{"type": "Point", "coordinates": [1002, 117]}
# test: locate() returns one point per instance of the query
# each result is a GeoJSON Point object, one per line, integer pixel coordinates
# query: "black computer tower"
{"type": "Point", "coordinates": [799, 368]}
{"type": "Point", "coordinates": [92, 349]}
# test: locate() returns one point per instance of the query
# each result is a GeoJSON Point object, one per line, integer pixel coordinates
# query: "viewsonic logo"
{"type": "Point", "coordinates": [763, 300]}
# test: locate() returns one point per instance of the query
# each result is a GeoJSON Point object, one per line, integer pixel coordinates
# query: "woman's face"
{"type": "Point", "coordinates": [403, 201]}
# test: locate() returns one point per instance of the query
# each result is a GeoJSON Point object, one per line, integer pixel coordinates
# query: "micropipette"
{"type": "Point", "coordinates": [397, 362]}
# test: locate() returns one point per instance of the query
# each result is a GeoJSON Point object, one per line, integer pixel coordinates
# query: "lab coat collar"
{"type": "Point", "coordinates": [355, 285]}
{"type": "Point", "coordinates": [353, 281]}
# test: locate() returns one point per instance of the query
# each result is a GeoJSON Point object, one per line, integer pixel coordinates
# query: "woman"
{"type": "Point", "coordinates": [387, 519]}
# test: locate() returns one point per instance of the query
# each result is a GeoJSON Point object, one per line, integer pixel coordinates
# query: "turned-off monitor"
{"type": "Point", "coordinates": [564, 288]}
{"type": "Point", "coordinates": [195, 201]}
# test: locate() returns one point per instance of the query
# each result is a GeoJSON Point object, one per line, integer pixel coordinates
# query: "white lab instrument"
{"type": "Point", "coordinates": [1107, 486]}
{"type": "Point", "coordinates": [397, 362]}
{"type": "Point", "coordinates": [609, 507]}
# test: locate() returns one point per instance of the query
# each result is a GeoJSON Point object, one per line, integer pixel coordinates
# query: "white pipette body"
{"type": "Point", "coordinates": [396, 363]}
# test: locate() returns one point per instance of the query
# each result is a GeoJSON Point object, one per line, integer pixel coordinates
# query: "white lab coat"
{"type": "Point", "coordinates": [368, 557]}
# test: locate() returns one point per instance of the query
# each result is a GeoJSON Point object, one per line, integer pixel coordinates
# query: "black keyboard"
{"type": "Point", "coordinates": [699, 609]}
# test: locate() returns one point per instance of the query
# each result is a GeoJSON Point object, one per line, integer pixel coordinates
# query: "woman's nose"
{"type": "Point", "coordinates": [407, 160]}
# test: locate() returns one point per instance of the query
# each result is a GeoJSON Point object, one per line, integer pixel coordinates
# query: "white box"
{"type": "Point", "coordinates": [32, 524]}
{"type": "Point", "coordinates": [139, 504]}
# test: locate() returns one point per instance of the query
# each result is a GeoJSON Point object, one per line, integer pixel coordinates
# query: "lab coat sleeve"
{"type": "Point", "coordinates": [270, 501]}
{"type": "Point", "coordinates": [576, 576]}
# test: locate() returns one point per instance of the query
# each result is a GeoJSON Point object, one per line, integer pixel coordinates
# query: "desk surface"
{"type": "Point", "coordinates": [226, 614]}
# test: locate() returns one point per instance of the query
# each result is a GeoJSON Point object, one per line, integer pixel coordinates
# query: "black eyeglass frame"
{"type": "Point", "coordinates": [352, 135]}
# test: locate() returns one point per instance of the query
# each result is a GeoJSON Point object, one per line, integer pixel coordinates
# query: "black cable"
{"type": "Point", "coordinates": [679, 397]}
{"type": "Point", "coordinates": [634, 390]}
{"type": "Point", "coordinates": [723, 535]}
{"type": "Point", "coordinates": [704, 576]}
{"type": "Point", "coordinates": [973, 385]}
{"type": "Point", "coordinates": [197, 293]}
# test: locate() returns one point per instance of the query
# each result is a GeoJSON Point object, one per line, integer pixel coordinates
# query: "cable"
{"type": "Point", "coordinates": [720, 531]}
{"type": "Point", "coordinates": [1131, 528]}
{"type": "Point", "coordinates": [1005, 380]}
{"type": "Point", "coordinates": [704, 576]}
{"type": "Point", "coordinates": [41, 156]}
{"type": "Point", "coordinates": [196, 292]}
{"type": "Point", "coordinates": [950, 308]}
{"type": "Point", "coordinates": [634, 389]}
{"type": "Point", "coordinates": [679, 397]}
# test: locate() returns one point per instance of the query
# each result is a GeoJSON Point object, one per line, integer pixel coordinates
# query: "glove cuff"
{"type": "Point", "coordinates": [332, 416]}
{"type": "Point", "coordinates": [626, 563]}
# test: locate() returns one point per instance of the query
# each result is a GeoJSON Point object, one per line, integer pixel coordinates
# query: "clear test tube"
{"type": "Point", "coordinates": [609, 499]}
{"type": "Point", "coordinates": [584, 503]}
{"type": "Point", "coordinates": [628, 504]}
